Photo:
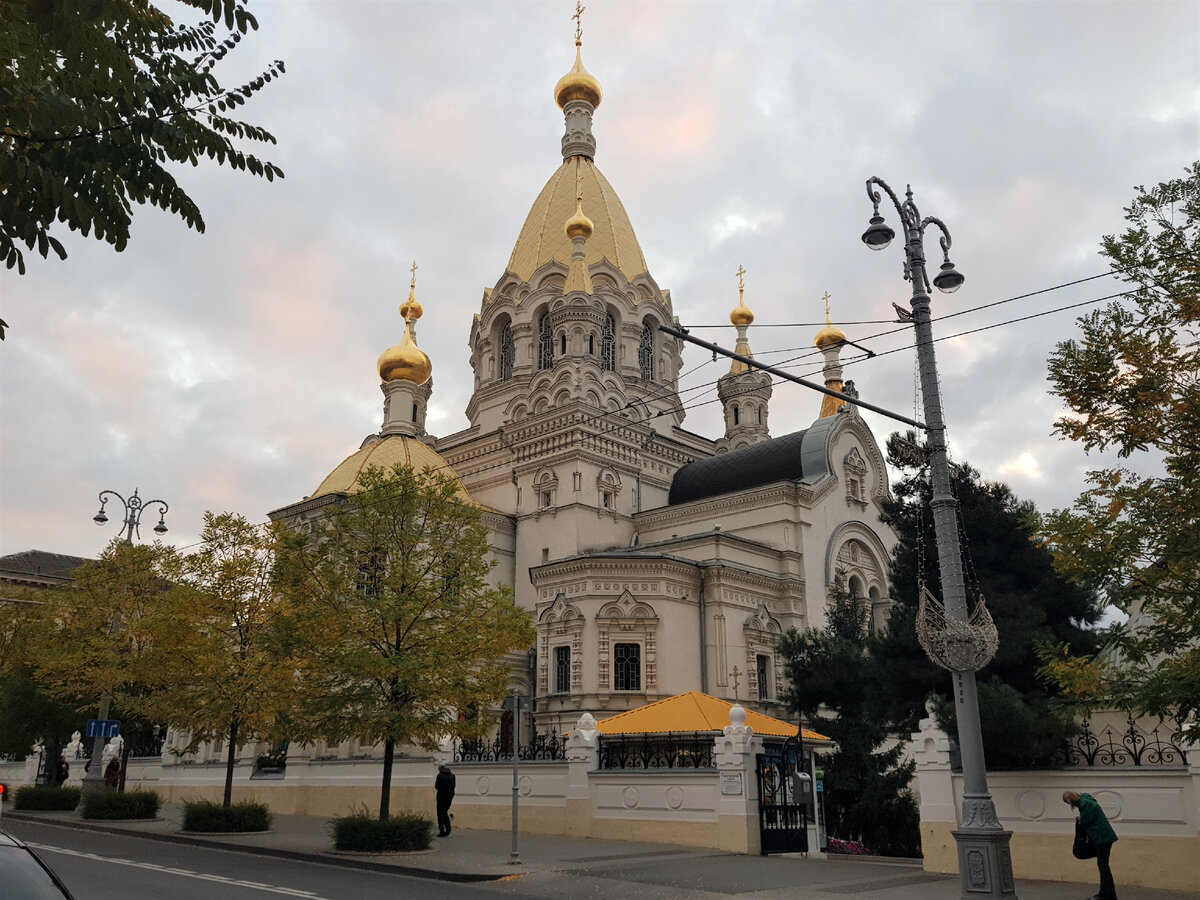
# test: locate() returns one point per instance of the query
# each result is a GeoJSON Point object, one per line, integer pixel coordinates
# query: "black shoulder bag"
{"type": "Point", "coordinates": [1083, 848]}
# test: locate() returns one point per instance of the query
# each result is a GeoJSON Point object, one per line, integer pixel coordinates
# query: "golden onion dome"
{"type": "Point", "coordinates": [742, 314]}
{"type": "Point", "coordinates": [411, 308]}
{"type": "Point", "coordinates": [579, 225]}
{"type": "Point", "coordinates": [405, 361]}
{"type": "Point", "coordinates": [830, 334]}
{"type": "Point", "coordinates": [578, 84]}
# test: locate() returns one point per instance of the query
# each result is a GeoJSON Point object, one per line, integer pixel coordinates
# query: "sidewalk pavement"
{"type": "Point", "coordinates": [470, 855]}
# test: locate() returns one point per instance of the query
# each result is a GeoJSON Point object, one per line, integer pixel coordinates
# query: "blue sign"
{"type": "Point", "coordinates": [103, 728]}
{"type": "Point", "coordinates": [820, 787]}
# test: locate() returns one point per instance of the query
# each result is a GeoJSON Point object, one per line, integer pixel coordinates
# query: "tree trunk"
{"type": "Point", "coordinates": [230, 759]}
{"type": "Point", "coordinates": [385, 796]}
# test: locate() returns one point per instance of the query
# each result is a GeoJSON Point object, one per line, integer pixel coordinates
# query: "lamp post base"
{"type": "Point", "coordinates": [985, 864]}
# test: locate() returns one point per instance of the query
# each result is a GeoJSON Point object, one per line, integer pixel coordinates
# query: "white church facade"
{"type": "Point", "coordinates": [654, 560]}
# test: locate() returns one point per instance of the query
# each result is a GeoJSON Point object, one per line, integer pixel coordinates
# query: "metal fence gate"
{"type": "Point", "coordinates": [784, 799]}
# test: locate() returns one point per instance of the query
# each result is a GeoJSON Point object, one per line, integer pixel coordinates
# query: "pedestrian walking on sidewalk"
{"type": "Point", "coordinates": [1100, 833]}
{"type": "Point", "coordinates": [444, 786]}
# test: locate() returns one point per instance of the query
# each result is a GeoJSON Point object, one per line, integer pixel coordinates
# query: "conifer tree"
{"type": "Point", "coordinates": [833, 670]}
{"type": "Point", "coordinates": [1029, 601]}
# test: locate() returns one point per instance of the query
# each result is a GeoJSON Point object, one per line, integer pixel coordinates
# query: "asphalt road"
{"type": "Point", "coordinates": [97, 866]}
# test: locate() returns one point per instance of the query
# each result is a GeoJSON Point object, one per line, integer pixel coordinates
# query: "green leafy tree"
{"type": "Point", "coordinates": [1131, 382]}
{"type": "Point", "coordinates": [103, 635]}
{"type": "Point", "coordinates": [397, 630]}
{"type": "Point", "coordinates": [834, 670]}
{"type": "Point", "coordinates": [99, 100]}
{"type": "Point", "coordinates": [1030, 603]}
{"type": "Point", "coordinates": [28, 713]}
{"type": "Point", "coordinates": [229, 679]}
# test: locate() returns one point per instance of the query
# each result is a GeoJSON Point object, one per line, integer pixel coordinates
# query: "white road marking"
{"type": "Point", "coordinates": [186, 873]}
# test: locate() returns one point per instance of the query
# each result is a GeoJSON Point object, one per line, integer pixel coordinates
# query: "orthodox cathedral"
{"type": "Point", "coordinates": [654, 560]}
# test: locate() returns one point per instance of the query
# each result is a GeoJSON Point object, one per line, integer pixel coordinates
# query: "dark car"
{"type": "Point", "coordinates": [23, 875]}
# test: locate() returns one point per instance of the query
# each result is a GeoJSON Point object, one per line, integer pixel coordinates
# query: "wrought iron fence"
{"type": "Point", "coordinates": [541, 748]}
{"type": "Point", "coordinates": [145, 741]}
{"type": "Point", "coordinates": [685, 750]}
{"type": "Point", "coordinates": [1132, 746]}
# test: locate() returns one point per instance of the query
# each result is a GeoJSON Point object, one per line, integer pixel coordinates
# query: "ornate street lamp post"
{"type": "Point", "coordinates": [134, 507]}
{"type": "Point", "coordinates": [961, 640]}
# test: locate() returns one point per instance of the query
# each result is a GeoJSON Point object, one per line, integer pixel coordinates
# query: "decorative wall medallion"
{"type": "Point", "coordinates": [674, 797]}
{"type": "Point", "coordinates": [1031, 804]}
{"type": "Point", "coordinates": [525, 786]}
{"type": "Point", "coordinates": [483, 784]}
{"type": "Point", "coordinates": [1110, 802]}
{"type": "Point", "coordinates": [629, 797]}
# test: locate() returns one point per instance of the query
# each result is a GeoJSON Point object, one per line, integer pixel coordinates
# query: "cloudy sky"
{"type": "Point", "coordinates": [234, 369]}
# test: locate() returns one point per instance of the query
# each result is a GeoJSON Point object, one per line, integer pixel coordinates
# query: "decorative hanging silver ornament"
{"type": "Point", "coordinates": [952, 643]}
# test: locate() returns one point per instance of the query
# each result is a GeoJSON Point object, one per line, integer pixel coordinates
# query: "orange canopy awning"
{"type": "Point", "coordinates": [694, 711]}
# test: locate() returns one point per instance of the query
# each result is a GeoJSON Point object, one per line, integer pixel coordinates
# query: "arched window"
{"type": "Point", "coordinates": [591, 345]}
{"type": "Point", "coordinates": [760, 415]}
{"type": "Point", "coordinates": [507, 353]}
{"type": "Point", "coordinates": [646, 351]}
{"type": "Point", "coordinates": [736, 417]}
{"type": "Point", "coordinates": [563, 345]}
{"type": "Point", "coordinates": [545, 345]}
{"type": "Point", "coordinates": [608, 344]}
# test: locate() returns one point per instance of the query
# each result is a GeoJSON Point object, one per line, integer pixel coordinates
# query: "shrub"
{"type": "Point", "coordinates": [114, 805]}
{"type": "Point", "coordinates": [204, 815]}
{"type": "Point", "coordinates": [41, 797]}
{"type": "Point", "coordinates": [369, 834]}
{"type": "Point", "coordinates": [853, 848]}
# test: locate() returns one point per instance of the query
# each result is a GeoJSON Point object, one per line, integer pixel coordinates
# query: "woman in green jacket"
{"type": "Point", "coordinates": [1101, 833]}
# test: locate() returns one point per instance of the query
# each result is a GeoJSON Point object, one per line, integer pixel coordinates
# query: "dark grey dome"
{"type": "Point", "coordinates": [770, 461]}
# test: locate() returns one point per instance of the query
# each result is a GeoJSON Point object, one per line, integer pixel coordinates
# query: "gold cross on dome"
{"type": "Point", "coordinates": [737, 677]}
{"type": "Point", "coordinates": [826, 299]}
{"type": "Point", "coordinates": [578, 17]}
{"type": "Point", "coordinates": [739, 273]}
{"type": "Point", "coordinates": [414, 274]}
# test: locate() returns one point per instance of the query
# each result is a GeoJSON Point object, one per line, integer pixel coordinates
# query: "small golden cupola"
{"type": "Point", "coordinates": [741, 317]}
{"type": "Point", "coordinates": [406, 361]}
{"type": "Point", "coordinates": [579, 83]}
{"type": "Point", "coordinates": [830, 334]}
{"type": "Point", "coordinates": [578, 228]}
{"type": "Point", "coordinates": [829, 340]}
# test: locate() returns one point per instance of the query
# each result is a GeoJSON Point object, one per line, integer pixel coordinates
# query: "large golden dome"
{"type": "Point", "coordinates": [387, 452]}
{"type": "Point", "coordinates": [405, 360]}
{"type": "Point", "coordinates": [830, 334]}
{"type": "Point", "coordinates": [542, 237]}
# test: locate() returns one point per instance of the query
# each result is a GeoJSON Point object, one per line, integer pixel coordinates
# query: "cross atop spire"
{"type": "Point", "coordinates": [413, 283]}
{"type": "Point", "coordinates": [741, 284]}
{"type": "Point", "coordinates": [826, 299]}
{"type": "Point", "coordinates": [578, 17]}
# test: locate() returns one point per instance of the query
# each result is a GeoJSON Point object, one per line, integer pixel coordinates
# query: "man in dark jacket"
{"type": "Point", "coordinates": [444, 786]}
{"type": "Point", "coordinates": [1101, 833]}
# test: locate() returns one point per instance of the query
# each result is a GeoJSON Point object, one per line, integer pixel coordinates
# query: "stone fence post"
{"type": "Point", "coordinates": [935, 784]}
{"type": "Point", "coordinates": [736, 752]}
{"type": "Point", "coordinates": [583, 758]}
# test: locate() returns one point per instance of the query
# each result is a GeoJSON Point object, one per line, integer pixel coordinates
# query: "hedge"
{"type": "Point", "coordinates": [204, 815]}
{"type": "Point", "coordinates": [115, 805]}
{"type": "Point", "coordinates": [370, 834]}
{"type": "Point", "coordinates": [41, 797]}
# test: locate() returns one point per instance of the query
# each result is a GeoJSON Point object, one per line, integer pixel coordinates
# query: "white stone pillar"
{"type": "Point", "coordinates": [736, 752]}
{"type": "Point", "coordinates": [583, 758]}
{"type": "Point", "coordinates": [935, 784]}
